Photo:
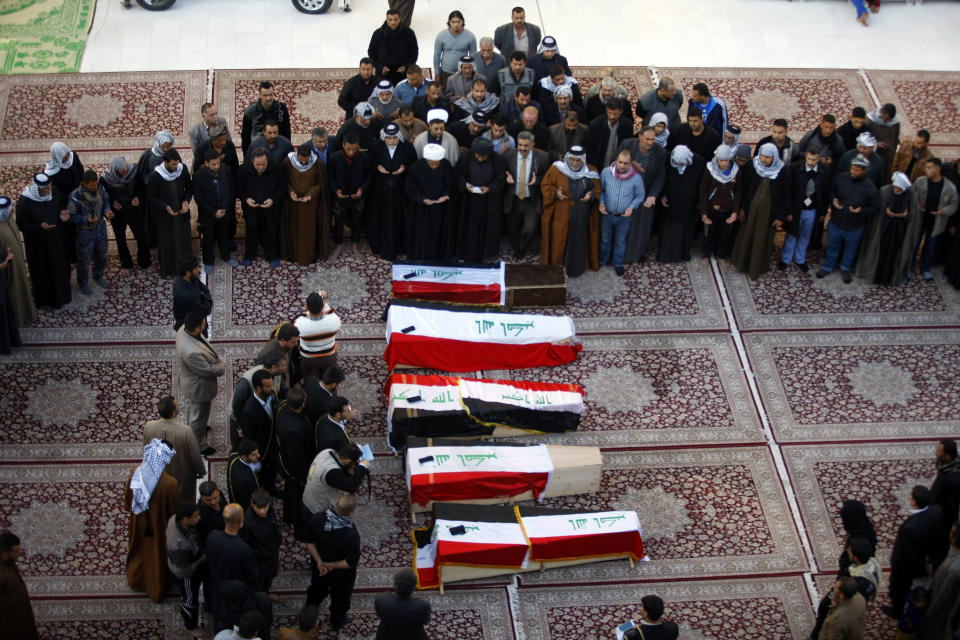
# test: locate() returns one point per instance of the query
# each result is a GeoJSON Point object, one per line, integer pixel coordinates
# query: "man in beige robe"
{"type": "Point", "coordinates": [187, 465]}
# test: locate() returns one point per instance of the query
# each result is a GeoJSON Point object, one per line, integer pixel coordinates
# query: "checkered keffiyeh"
{"type": "Point", "coordinates": [156, 456]}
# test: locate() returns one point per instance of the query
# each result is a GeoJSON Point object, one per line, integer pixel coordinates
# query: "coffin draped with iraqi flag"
{"type": "Point", "coordinates": [451, 338]}
{"type": "Point", "coordinates": [464, 542]}
{"type": "Point", "coordinates": [463, 284]}
{"type": "Point", "coordinates": [445, 406]}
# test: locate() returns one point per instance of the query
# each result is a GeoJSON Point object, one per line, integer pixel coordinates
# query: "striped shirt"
{"type": "Point", "coordinates": [318, 337]}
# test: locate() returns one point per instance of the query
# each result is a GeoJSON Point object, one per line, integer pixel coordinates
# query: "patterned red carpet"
{"type": "Point", "coordinates": [735, 416]}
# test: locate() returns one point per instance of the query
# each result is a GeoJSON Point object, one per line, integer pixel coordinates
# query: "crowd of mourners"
{"type": "Point", "coordinates": [504, 142]}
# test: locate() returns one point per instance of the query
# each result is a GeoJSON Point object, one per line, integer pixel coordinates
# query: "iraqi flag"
{"type": "Point", "coordinates": [469, 536]}
{"type": "Point", "coordinates": [480, 472]}
{"type": "Point", "coordinates": [458, 284]}
{"type": "Point", "coordinates": [558, 535]}
{"type": "Point", "coordinates": [467, 339]}
{"type": "Point", "coordinates": [445, 406]}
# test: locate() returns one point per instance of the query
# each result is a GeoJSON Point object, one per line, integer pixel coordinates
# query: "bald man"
{"type": "Point", "coordinates": [229, 557]}
{"type": "Point", "coordinates": [530, 121]}
{"type": "Point", "coordinates": [334, 546]}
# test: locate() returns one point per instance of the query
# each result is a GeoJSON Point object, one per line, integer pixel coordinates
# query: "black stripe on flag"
{"type": "Point", "coordinates": [522, 417]}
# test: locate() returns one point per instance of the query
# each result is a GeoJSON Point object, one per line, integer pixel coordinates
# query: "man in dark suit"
{"type": "Point", "coordinates": [521, 199]}
{"type": "Point", "coordinates": [294, 454]}
{"type": "Point", "coordinates": [319, 392]}
{"type": "Point", "coordinates": [256, 423]}
{"type": "Point", "coordinates": [652, 625]}
{"type": "Point", "coordinates": [571, 132]}
{"type": "Point", "coordinates": [331, 430]}
{"type": "Point", "coordinates": [518, 31]}
{"type": "Point", "coordinates": [606, 134]}
{"type": "Point", "coordinates": [945, 490]}
{"type": "Point", "coordinates": [920, 541]}
{"type": "Point", "coordinates": [402, 617]}
{"type": "Point", "coordinates": [243, 472]}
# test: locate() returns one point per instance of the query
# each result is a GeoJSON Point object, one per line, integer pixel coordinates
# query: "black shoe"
{"type": "Point", "coordinates": [803, 267]}
{"type": "Point", "coordinates": [209, 451]}
{"type": "Point", "coordinates": [889, 612]}
{"type": "Point", "coordinates": [345, 622]}
{"type": "Point", "coordinates": [847, 278]}
{"type": "Point", "coordinates": [619, 270]}
{"type": "Point", "coordinates": [822, 273]}
{"type": "Point", "coordinates": [781, 266]}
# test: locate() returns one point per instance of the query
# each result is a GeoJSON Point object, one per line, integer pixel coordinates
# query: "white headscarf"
{"type": "Point", "coordinates": [391, 130]}
{"type": "Point", "coordinates": [661, 118]}
{"type": "Point", "coordinates": [162, 137]}
{"type": "Point", "coordinates": [584, 171]}
{"type": "Point", "coordinates": [866, 139]}
{"type": "Point", "coordinates": [156, 456]}
{"type": "Point", "coordinates": [166, 175]}
{"type": "Point", "coordinates": [6, 208]}
{"type": "Point", "coordinates": [876, 117]}
{"type": "Point", "coordinates": [114, 179]}
{"type": "Point", "coordinates": [382, 86]}
{"type": "Point", "coordinates": [901, 180]}
{"type": "Point", "coordinates": [681, 158]}
{"type": "Point", "coordinates": [299, 166]}
{"type": "Point", "coordinates": [56, 162]}
{"type": "Point", "coordinates": [723, 152]}
{"type": "Point", "coordinates": [770, 151]}
{"type": "Point", "coordinates": [32, 190]}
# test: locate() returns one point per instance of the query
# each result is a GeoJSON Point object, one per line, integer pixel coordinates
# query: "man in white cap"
{"type": "Point", "coordinates": [437, 134]}
{"type": "Point", "coordinates": [855, 199]}
{"type": "Point", "coordinates": [548, 54]}
{"type": "Point", "coordinates": [432, 221]}
{"type": "Point", "coordinates": [866, 145]}
{"type": "Point", "coordinates": [383, 101]}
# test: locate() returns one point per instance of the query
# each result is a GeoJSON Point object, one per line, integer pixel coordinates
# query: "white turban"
{"type": "Point", "coordinates": [901, 180]}
{"type": "Point", "coordinates": [433, 152]}
{"type": "Point", "coordinates": [866, 139]}
{"type": "Point", "coordinates": [437, 114]}
{"type": "Point", "coordinates": [681, 158]}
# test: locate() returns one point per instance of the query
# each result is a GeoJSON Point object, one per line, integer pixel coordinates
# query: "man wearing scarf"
{"type": "Point", "coordinates": [719, 203]}
{"type": "Point", "coordinates": [660, 129]}
{"type": "Point", "coordinates": [45, 243]}
{"type": "Point", "coordinates": [458, 85]}
{"type": "Point", "coordinates": [120, 182]}
{"type": "Point", "coordinates": [151, 496]}
{"type": "Point", "coordinates": [305, 206]}
{"type": "Point", "coordinates": [884, 123]}
{"type": "Point", "coordinates": [481, 176]}
{"type": "Point", "coordinates": [431, 220]}
{"type": "Point", "coordinates": [556, 79]}
{"type": "Point", "coordinates": [855, 200]}
{"type": "Point", "coordinates": [548, 55]}
{"type": "Point", "coordinates": [714, 109]}
{"type": "Point", "coordinates": [350, 176]}
{"type": "Point", "coordinates": [622, 194]}
{"type": "Point", "coordinates": [215, 193]}
{"type": "Point", "coordinates": [364, 126]}
{"type": "Point", "coordinates": [478, 99]}
{"type": "Point", "coordinates": [89, 209]}
{"type": "Point", "coordinates": [65, 171]}
{"type": "Point", "coordinates": [469, 129]}
{"type": "Point", "coordinates": [16, 269]}
{"type": "Point", "coordinates": [731, 138]}
{"type": "Point", "coordinates": [570, 223]}
{"type": "Point", "coordinates": [392, 158]}
{"type": "Point", "coordinates": [650, 159]}
{"type": "Point", "coordinates": [384, 101]}
{"type": "Point", "coordinates": [889, 237]}
{"type": "Point", "coordinates": [788, 149]}
{"type": "Point", "coordinates": [763, 206]}
{"type": "Point", "coordinates": [866, 147]}
{"type": "Point", "coordinates": [555, 110]}
{"type": "Point", "coordinates": [437, 134]}
{"type": "Point", "coordinates": [148, 161]}
{"type": "Point", "coordinates": [809, 183]}
{"type": "Point", "coordinates": [168, 194]}
{"type": "Point", "coordinates": [679, 200]}
{"type": "Point", "coordinates": [393, 48]}
{"type": "Point", "coordinates": [334, 546]}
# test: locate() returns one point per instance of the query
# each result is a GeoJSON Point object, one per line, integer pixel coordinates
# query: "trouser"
{"type": "Point", "coordinates": [349, 212]}
{"type": "Point", "coordinates": [860, 5]}
{"type": "Point", "coordinates": [845, 241]}
{"type": "Point", "coordinates": [639, 237]}
{"type": "Point", "coordinates": [215, 235]}
{"type": "Point", "coordinates": [197, 413]}
{"type": "Point", "coordinates": [119, 222]}
{"type": "Point", "coordinates": [190, 599]}
{"type": "Point", "coordinates": [900, 584]}
{"type": "Point", "coordinates": [338, 584]}
{"type": "Point", "coordinates": [263, 228]}
{"type": "Point", "coordinates": [822, 610]}
{"type": "Point", "coordinates": [316, 366]}
{"type": "Point", "coordinates": [523, 221]}
{"type": "Point", "coordinates": [91, 244]}
{"type": "Point", "coordinates": [795, 247]}
{"type": "Point", "coordinates": [613, 231]}
{"type": "Point", "coordinates": [929, 243]}
{"type": "Point", "coordinates": [716, 236]}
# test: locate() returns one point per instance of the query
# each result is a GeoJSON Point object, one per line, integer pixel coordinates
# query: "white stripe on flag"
{"type": "Point", "coordinates": [479, 532]}
{"type": "Point", "coordinates": [451, 275]}
{"type": "Point", "coordinates": [535, 459]}
{"type": "Point", "coordinates": [505, 328]}
{"type": "Point", "coordinates": [536, 400]}
{"type": "Point", "coordinates": [581, 524]}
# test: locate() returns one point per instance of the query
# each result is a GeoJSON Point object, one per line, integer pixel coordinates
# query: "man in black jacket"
{"type": "Point", "coordinates": [606, 134]}
{"type": "Point", "coordinates": [265, 107]}
{"type": "Point", "coordinates": [350, 174]}
{"type": "Point", "coordinates": [402, 617]}
{"type": "Point", "coordinates": [809, 190]}
{"type": "Point", "coordinates": [919, 542]}
{"type": "Point", "coordinates": [945, 490]}
{"type": "Point", "coordinates": [213, 191]}
{"type": "Point", "coordinates": [359, 88]}
{"type": "Point", "coordinates": [256, 423]}
{"type": "Point", "coordinates": [330, 431]}
{"type": "Point", "coordinates": [210, 505]}
{"type": "Point", "coordinates": [295, 442]}
{"type": "Point", "coordinates": [243, 472]}
{"type": "Point", "coordinates": [320, 392]}
{"type": "Point", "coordinates": [826, 137]}
{"type": "Point", "coordinates": [189, 293]}
{"type": "Point", "coordinates": [855, 199]}
{"type": "Point", "coordinates": [433, 99]}
{"type": "Point", "coordinates": [260, 189]}
{"type": "Point", "coordinates": [262, 534]}
{"type": "Point", "coordinates": [653, 626]}
{"type": "Point", "coordinates": [228, 558]}
{"type": "Point", "coordinates": [334, 546]}
{"type": "Point", "coordinates": [695, 135]}
{"type": "Point", "coordinates": [393, 48]}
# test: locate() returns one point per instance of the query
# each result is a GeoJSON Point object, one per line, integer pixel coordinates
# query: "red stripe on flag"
{"type": "Point", "coordinates": [587, 546]}
{"type": "Point", "coordinates": [447, 292]}
{"type": "Point", "coordinates": [462, 355]}
{"type": "Point", "coordinates": [452, 381]}
{"type": "Point", "coordinates": [450, 487]}
{"type": "Point", "coordinates": [483, 555]}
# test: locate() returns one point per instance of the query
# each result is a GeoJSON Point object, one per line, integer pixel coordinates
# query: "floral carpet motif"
{"type": "Point", "coordinates": [873, 385]}
{"type": "Point", "coordinates": [654, 390]}
{"type": "Point", "coordinates": [99, 110]}
{"type": "Point", "coordinates": [756, 97]}
{"type": "Point", "coordinates": [770, 608]}
{"type": "Point", "coordinates": [792, 299]}
{"type": "Point", "coordinates": [879, 475]}
{"type": "Point", "coordinates": [924, 100]}
{"type": "Point", "coordinates": [82, 619]}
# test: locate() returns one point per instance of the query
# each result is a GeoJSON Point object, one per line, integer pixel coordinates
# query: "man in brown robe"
{"type": "Point", "coordinates": [187, 465]}
{"type": "Point", "coordinates": [558, 204]}
{"type": "Point", "coordinates": [16, 614]}
{"type": "Point", "coordinates": [305, 206]}
{"type": "Point", "coordinates": [151, 496]}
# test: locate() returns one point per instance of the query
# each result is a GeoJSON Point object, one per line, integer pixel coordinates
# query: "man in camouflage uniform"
{"type": "Point", "coordinates": [89, 208]}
